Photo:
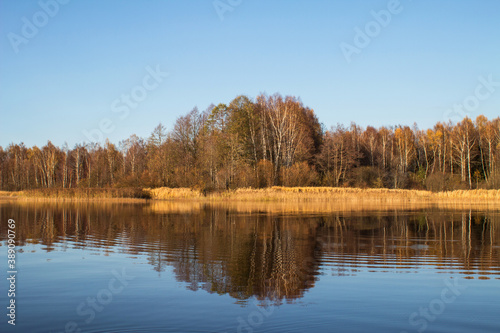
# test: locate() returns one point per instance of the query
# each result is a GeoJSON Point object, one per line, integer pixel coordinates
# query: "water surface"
{"type": "Point", "coordinates": [192, 267]}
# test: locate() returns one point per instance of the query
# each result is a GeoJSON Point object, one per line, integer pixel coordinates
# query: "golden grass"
{"type": "Point", "coordinates": [300, 200]}
{"type": "Point", "coordinates": [166, 193]}
{"type": "Point", "coordinates": [279, 193]}
{"type": "Point", "coordinates": [471, 194]}
{"type": "Point", "coordinates": [9, 194]}
{"type": "Point", "coordinates": [78, 194]}
{"type": "Point", "coordinates": [338, 195]}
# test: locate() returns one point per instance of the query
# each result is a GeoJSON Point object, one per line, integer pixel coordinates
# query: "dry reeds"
{"type": "Point", "coordinates": [470, 194]}
{"type": "Point", "coordinates": [166, 193]}
{"type": "Point", "coordinates": [338, 195]}
{"type": "Point", "coordinates": [76, 194]}
{"type": "Point", "coordinates": [278, 193]}
{"type": "Point", "coordinates": [325, 199]}
{"type": "Point", "coordinates": [8, 194]}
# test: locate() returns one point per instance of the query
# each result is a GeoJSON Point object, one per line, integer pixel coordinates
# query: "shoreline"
{"type": "Point", "coordinates": [271, 194]}
{"type": "Point", "coordinates": [285, 201]}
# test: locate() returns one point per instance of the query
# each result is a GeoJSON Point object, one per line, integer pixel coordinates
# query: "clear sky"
{"type": "Point", "coordinates": [64, 70]}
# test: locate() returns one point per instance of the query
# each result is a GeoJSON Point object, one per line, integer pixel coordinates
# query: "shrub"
{"type": "Point", "coordinates": [300, 174]}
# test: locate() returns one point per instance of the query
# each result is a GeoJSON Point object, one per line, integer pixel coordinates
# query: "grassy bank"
{"type": "Point", "coordinates": [75, 194]}
{"type": "Point", "coordinates": [272, 194]}
{"type": "Point", "coordinates": [299, 194]}
{"type": "Point", "coordinates": [167, 193]}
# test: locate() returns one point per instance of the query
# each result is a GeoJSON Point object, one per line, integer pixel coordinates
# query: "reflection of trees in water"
{"type": "Point", "coordinates": [271, 256]}
{"type": "Point", "coordinates": [451, 240]}
{"type": "Point", "coordinates": [258, 255]}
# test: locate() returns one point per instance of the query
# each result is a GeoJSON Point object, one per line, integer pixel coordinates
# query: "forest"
{"type": "Point", "coordinates": [266, 141]}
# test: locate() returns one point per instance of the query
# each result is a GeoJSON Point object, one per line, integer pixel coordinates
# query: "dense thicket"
{"type": "Point", "coordinates": [272, 140]}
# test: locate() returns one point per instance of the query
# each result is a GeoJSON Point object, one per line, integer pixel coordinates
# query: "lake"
{"type": "Point", "coordinates": [195, 267]}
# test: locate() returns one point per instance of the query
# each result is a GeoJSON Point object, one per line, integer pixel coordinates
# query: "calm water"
{"type": "Point", "coordinates": [196, 268]}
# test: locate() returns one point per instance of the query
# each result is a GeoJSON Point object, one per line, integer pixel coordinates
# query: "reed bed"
{"type": "Point", "coordinates": [353, 196]}
{"type": "Point", "coordinates": [297, 194]}
{"type": "Point", "coordinates": [470, 194]}
{"type": "Point", "coordinates": [167, 193]}
{"type": "Point", "coordinates": [280, 193]}
{"type": "Point", "coordinates": [78, 194]}
{"type": "Point", "coordinates": [8, 194]}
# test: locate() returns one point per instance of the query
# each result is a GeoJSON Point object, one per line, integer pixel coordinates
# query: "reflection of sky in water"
{"type": "Point", "coordinates": [317, 273]}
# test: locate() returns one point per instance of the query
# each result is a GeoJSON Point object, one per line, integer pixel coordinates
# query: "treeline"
{"type": "Point", "coordinates": [272, 140]}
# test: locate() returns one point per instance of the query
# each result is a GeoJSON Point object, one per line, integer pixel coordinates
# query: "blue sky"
{"type": "Point", "coordinates": [64, 79]}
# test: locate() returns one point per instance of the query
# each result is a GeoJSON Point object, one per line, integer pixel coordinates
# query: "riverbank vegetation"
{"type": "Point", "coordinates": [79, 193]}
{"type": "Point", "coordinates": [331, 194]}
{"type": "Point", "coordinates": [260, 143]}
{"type": "Point", "coordinates": [345, 198]}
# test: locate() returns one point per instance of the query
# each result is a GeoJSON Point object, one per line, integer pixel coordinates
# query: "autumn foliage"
{"type": "Point", "coordinates": [268, 141]}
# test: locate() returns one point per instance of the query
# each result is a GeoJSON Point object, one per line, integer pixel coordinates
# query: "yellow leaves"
{"type": "Point", "coordinates": [481, 121]}
{"type": "Point", "coordinates": [438, 134]}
